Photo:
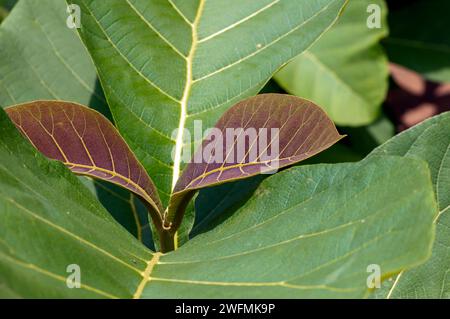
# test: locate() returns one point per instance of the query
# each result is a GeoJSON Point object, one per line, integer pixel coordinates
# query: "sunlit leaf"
{"type": "Point", "coordinates": [309, 231]}
{"type": "Point", "coordinates": [166, 64]}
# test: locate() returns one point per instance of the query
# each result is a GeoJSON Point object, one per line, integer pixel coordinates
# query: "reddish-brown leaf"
{"type": "Point", "coordinates": [87, 143]}
{"type": "Point", "coordinates": [304, 130]}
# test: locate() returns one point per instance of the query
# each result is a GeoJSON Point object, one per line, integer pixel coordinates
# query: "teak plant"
{"type": "Point", "coordinates": [165, 66]}
{"type": "Point", "coordinates": [88, 144]}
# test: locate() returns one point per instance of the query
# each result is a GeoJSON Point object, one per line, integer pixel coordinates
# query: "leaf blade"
{"type": "Point", "coordinates": [428, 141]}
{"type": "Point", "coordinates": [350, 213]}
{"type": "Point", "coordinates": [42, 59]}
{"type": "Point", "coordinates": [71, 221]}
{"type": "Point", "coordinates": [125, 207]}
{"type": "Point", "coordinates": [86, 142]}
{"type": "Point", "coordinates": [89, 237]}
{"type": "Point", "coordinates": [302, 130]}
{"type": "Point", "coordinates": [179, 82]}
{"type": "Point", "coordinates": [40, 54]}
{"type": "Point", "coordinates": [350, 66]}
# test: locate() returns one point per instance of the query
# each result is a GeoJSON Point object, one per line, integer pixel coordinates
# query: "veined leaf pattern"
{"type": "Point", "coordinates": [302, 130]}
{"type": "Point", "coordinates": [429, 141]}
{"type": "Point", "coordinates": [125, 206]}
{"type": "Point", "coordinates": [355, 218]}
{"type": "Point", "coordinates": [87, 143]}
{"type": "Point", "coordinates": [179, 60]}
{"type": "Point", "coordinates": [45, 208]}
{"type": "Point", "coordinates": [42, 59]}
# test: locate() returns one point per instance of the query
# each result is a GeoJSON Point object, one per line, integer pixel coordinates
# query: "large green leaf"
{"type": "Point", "coordinates": [309, 232]}
{"type": "Point", "coordinates": [420, 39]}
{"type": "Point", "coordinates": [166, 64]}
{"type": "Point", "coordinates": [40, 58]}
{"type": "Point", "coordinates": [327, 223]}
{"type": "Point", "coordinates": [215, 204]}
{"type": "Point", "coordinates": [429, 141]}
{"type": "Point", "coordinates": [345, 71]}
{"type": "Point", "coordinates": [49, 221]}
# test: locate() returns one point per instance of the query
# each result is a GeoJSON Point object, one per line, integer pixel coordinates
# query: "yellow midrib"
{"type": "Point", "coordinates": [185, 99]}
{"type": "Point", "coordinates": [146, 275]}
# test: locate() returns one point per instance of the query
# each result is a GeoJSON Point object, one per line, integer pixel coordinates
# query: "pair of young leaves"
{"type": "Point", "coordinates": [88, 144]}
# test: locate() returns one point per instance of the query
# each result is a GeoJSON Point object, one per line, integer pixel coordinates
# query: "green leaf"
{"type": "Point", "coordinates": [429, 141]}
{"type": "Point", "coordinates": [50, 221]}
{"type": "Point", "coordinates": [42, 59]}
{"type": "Point", "coordinates": [419, 40]}
{"type": "Point", "coordinates": [309, 232]}
{"type": "Point", "coordinates": [345, 71]}
{"type": "Point", "coordinates": [327, 224]}
{"type": "Point", "coordinates": [125, 207]}
{"type": "Point", "coordinates": [214, 204]}
{"type": "Point", "coordinates": [88, 144]}
{"type": "Point", "coordinates": [302, 130]}
{"type": "Point", "coordinates": [166, 64]}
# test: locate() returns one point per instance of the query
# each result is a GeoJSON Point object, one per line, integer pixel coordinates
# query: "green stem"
{"type": "Point", "coordinates": [167, 241]}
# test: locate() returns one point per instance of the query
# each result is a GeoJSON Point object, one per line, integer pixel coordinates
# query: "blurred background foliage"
{"type": "Point", "coordinates": [375, 83]}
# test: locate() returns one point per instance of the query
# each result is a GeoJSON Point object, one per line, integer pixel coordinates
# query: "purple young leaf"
{"type": "Point", "coordinates": [87, 143]}
{"type": "Point", "coordinates": [274, 131]}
